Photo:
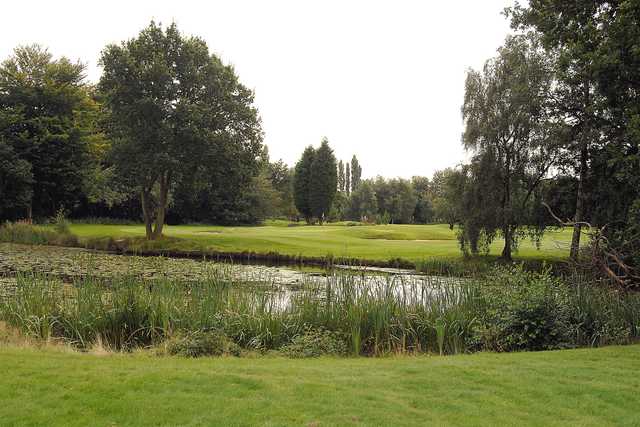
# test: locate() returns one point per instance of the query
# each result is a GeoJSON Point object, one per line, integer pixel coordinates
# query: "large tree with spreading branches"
{"type": "Point", "coordinates": [174, 108]}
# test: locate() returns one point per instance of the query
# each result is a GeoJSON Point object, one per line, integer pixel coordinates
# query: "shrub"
{"type": "Point", "coordinates": [315, 343]}
{"type": "Point", "coordinates": [60, 223]}
{"type": "Point", "coordinates": [524, 311]}
{"type": "Point", "coordinates": [202, 343]}
{"type": "Point", "coordinates": [383, 219]}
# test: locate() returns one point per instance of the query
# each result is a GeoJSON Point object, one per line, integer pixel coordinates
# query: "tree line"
{"type": "Point", "coordinates": [168, 134]}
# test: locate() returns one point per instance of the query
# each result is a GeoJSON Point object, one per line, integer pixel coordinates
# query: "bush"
{"type": "Point", "coordinates": [315, 343]}
{"type": "Point", "coordinates": [202, 343]}
{"type": "Point", "coordinates": [524, 311]}
{"type": "Point", "coordinates": [383, 219]}
{"type": "Point", "coordinates": [60, 223]}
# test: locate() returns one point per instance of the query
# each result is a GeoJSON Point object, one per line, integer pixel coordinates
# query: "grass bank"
{"type": "Point", "coordinates": [591, 387]}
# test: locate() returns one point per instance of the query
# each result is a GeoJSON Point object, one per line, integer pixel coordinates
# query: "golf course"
{"type": "Point", "coordinates": [367, 242]}
{"type": "Point", "coordinates": [320, 213]}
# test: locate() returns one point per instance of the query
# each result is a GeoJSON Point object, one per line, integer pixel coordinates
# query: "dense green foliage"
{"type": "Point", "coordinates": [46, 123]}
{"type": "Point", "coordinates": [201, 343]}
{"type": "Point", "coordinates": [302, 183]}
{"type": "Point", "coordinates": [323, 182]}
{"type": "Point", "coordinates": [512, 140]}
{"type": "Point", "coordinates": [356, 173]}
{"type": "Point", "coordinates": [363, 203]}
{"type": "Point", "coordinates": [597, 95]}
{"type": "Point", "coordinates": [16, 181]}
{"type": "Point", "coordinates": [315, 182]}
{"type": "Point", "coordinates": [315, 343]}
{"type": "Point", "coordinates": [177, 116]}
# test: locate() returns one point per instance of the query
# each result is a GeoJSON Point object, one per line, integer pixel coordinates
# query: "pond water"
{"type": "Point", "coordinates": [280, 282]}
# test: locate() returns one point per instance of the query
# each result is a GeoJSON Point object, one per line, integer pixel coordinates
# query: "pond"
{"type": "Point", "coordinates": [279, 282]}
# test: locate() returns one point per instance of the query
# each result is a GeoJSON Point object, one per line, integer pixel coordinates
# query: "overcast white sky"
{"type": "Point", "coordinates": [381, 79]}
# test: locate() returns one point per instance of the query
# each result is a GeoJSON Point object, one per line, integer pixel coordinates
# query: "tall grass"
{"type": "Point", "coordinates": [453, 267]}
{"type": "Point", "coordinates": [21, 232]}
{"type": "Point", "coordinates": [386, 316]}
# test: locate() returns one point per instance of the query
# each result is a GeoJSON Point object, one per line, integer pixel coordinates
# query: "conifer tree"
{"type": "Point", "coordinates": [324, 179]}
{"type": "Point", "coordinates": [356, 173]}
{"type": "Point", "coordinates": [347, 179]}
{"type": "Point", "coordinates": [340, 176]}
{"type": "Point", "coordinates": [302, 183]}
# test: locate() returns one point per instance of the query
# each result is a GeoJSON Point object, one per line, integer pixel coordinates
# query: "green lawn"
{"type": "Point", "coordinates": [596, 387]}
{"type": "Point", "coordinates": [374, 242]}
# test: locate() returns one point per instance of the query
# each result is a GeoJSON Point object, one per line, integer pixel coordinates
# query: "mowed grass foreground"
{"type": "Point", "coordinates": [370, 242]}
{"type": "Point", "coordinates": [572, 387]}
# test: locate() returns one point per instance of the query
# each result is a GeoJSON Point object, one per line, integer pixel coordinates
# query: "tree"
{"type": "Point", "coordinates": [16, 180]}
{"type": "Point", "coordinates": [402, 203]}
{"type": "Point", "coordinates": [597, 45]}
{"type": "Point", "coordinates": [395, 199]}
{"type": "Point", "coordinates": [302, 183]}
{"type": "Point", "coordinates": [423, 212]}
{"type": "Point", "coordinates": [281, 177]}
{"type": "Point", "coordinates": [324, 180]}
{"type": "Point", "coordinates": [339, 207]}
{"type": "Point", "coordinates": [448, 188]}
{"type": "Point", "coordinates": [262, 199]}
{"type": "Point", "coordinates": [574, 90]}
{"type": "Point", "coordinates": [176, 111]}
{"type": "Point", "coordinates": [347, 178]}
{"type": "Point", "coordinates": [44, 104]}
{"type": "Point", "coordinates": [363, 205]}
{"type": "Point", "coordinates": [341, 176]}
{"type": "Point", "coordinates": [508, 130]}
{"type": "Point", "coordinates": [356, 173]}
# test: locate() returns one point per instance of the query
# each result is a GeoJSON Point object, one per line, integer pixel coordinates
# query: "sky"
{"type": "Point", "coordinates": [383, 80]}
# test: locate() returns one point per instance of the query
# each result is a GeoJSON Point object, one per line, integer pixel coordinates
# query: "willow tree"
{"type": "Point", "coordinates": [174, 108]}
{"type": "Point", "coordinates": [509, 133]}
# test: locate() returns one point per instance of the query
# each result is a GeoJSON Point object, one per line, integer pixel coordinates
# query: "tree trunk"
{"type": "Point", "coordinates": [506, 210]}
{"type": "Point", "coordinates": [579, 215]}
{"type": "Point", "coordinates": [506, 251]}
{"type": "Point", "coordinates": [145, 198]}
{"type": "Point", "coordinates": [584, 153]}
{"type": "Point", "coordinates": [162, 205]}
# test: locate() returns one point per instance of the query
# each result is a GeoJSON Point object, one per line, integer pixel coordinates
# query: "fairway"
{"type": "Point", "coordinates": [573, 387]}
{"type": "Point", "coordinates": [371, 242]}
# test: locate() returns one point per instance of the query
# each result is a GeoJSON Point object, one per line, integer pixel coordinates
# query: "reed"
{"type": "Point", "coordinates": [388, 315]}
